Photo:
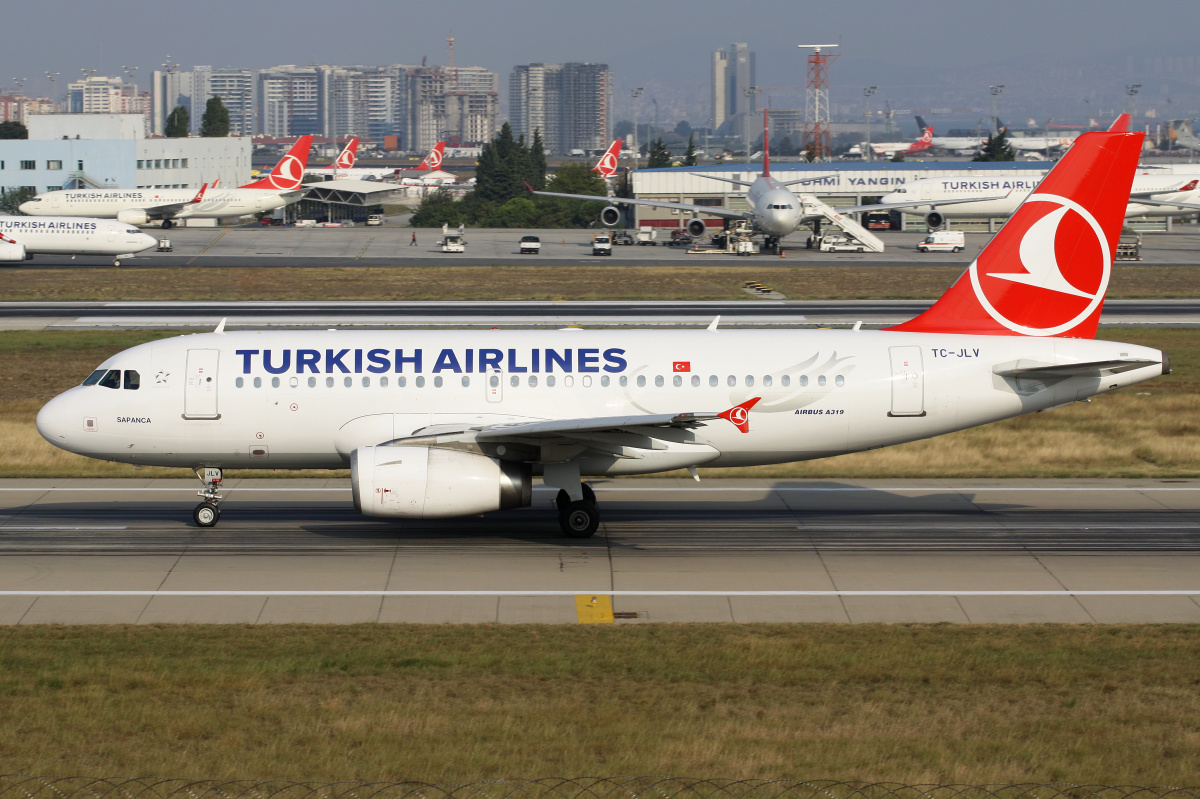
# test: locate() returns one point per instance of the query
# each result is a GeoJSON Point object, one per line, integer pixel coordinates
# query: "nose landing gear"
{"type": "Point", "coordinates": [207, 514]}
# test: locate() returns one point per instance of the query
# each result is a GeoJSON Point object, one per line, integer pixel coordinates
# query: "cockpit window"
{"type": "Point", "coordinates": [112, 379]}
{"type": "Point", "coordinates": [133, 381]}
{"type": "Point", "coordinates": [94, 377]}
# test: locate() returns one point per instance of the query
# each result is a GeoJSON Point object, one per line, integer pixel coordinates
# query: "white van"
{"type": "Point", "coordinates": [943, 241]}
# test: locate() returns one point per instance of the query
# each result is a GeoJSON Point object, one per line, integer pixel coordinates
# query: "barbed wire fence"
{"type": "Point", "coordinates": [19, 786]}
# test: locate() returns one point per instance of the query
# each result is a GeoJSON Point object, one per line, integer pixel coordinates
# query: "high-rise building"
{"type": "Point", "coordinates": [733, 74]}
{"type": "Point", "coordinates": [571, 104]}
{"type": "Point", "coordinates": [452, 104]}
{"type": "Point", "coordinates": [101, 95]}
{"type": "Point", "coordinates": [237, 89]}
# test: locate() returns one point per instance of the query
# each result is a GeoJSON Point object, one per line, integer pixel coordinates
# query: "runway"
{"type": "Point", "coordinates": [975, 551]}
{"type": "Point", "coordinates": [463, 314]}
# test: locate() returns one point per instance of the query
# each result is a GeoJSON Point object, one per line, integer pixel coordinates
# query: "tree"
{"type": "Point", "coordinates": [897, 158]}
{"type": "Point", "coordinates": [537, 162]}
{"type": "Point", "coordinates": [683, 128]}
{"type": "Point", "coordinates": [215, 122]}
{"type": "Point", "coordinates": [178, 122]}
{"type": "Point", "coordinates": [12, 197]}
{"type": "Point", "coordinates": [503, 165]}
{"type": "Point", "coordinates": [437, 207]}
{"type": "Point", "coordinates": [689, 157]}
{"type": "Point", "coordinates": [996, 148]}
{"type": "Point", "coordinates": [659, 156]}
{"type": "Point", "coordinates": [13, 130]}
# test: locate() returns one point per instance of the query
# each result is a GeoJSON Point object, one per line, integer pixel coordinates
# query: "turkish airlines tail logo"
{"type": "Point", "coordinates": [1046, 271]}
{"type": "Point", "coordinates": [347, 156]}
{"type": "Point", "coordinates": [607, 165]}
{"type": "Point", "coordinates": [288, 174]}
{"type": "Point", "coordinates": [923, 143]}
{"type": "Point", "coordinates": [433, 161]}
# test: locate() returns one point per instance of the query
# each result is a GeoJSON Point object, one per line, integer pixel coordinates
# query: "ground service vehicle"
{"type": "Point", "coordinates": [836, 243]}
{"type": "Point", "coordinates": [623, 238]}
{"type": "Point", "coordinates": [646, 235]}
{"type": "Point", "coordinates": [943, 241]}
{"type": "Point", "coordinates": [531, 244]}
{"type": "Point", "coordinates": [601, 244]}
{"type": "Point", "coordinates": [374, 220]}
{"type": "Point", "coordinates": [453, 240]}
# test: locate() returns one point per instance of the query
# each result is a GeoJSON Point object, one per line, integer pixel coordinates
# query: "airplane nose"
{"type": "Point", "coordinates": [26, 207]}
{"type": "Point", "coordinates": [144, 241]}
{"type": "Point", "coordinates": [56, 421]}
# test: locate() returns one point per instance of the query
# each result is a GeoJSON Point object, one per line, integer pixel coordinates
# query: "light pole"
{"type": "Point", "coordinates": [867, 92]}
{"type": "Point", "coordinates": [995, 90]}
{"type": "Point", "coordinates": [53, 76]}
{"type": "Point", "coordinates": [636, 95]}
{"type": "Point", "coordinates": [1132, 90]}
{"type": "Point", "coordinates": [749, 91]}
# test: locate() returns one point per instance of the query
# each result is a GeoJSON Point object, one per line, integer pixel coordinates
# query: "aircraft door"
{"type": "Point", "coordinates": [493, 384]}
{"type": "Point", "coordinates": [908, 382]}
{"type": "Point", "coordinates": [200, 388]}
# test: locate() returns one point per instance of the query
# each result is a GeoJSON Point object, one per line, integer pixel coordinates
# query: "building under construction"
{"type": "Point", "coordinates": [571, 104]}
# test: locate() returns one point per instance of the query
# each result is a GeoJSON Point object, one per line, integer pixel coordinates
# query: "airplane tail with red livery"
{"type": "Point", "coordinates": [347, 156]}
{"type": "Point", "coordinates": [921, 144]}
{"type": "Point", "coordinates": [1046, 271]}
{"type": "Point", "coordinates": [288, 174]}
{"type": "Point", "coordinates": [607, 165]}
{"type": "Point", "coordinates": [433, 161]}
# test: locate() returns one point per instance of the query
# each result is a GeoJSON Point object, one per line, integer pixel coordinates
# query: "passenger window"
{"type": "Point", "coordinates": [383, 382]}
{"type": "Point", "coordinates": [112, 379]}
{"type": "Point", "coordinates": [94, 377]}
{"type": "Point", "coordinates": [786, 380]}
{"type": "Point", "coordinates": [466, 381]}
{"type": "Point", "coordinates": [568, 381]}
{"type": "Point", "coordinates": [604, 381]}
{"type": "Point", "coordinates": [312, 382]}
{"type": "Point", "coordinates": [841, 381]}
{"type": "Point", "coordinates": [641, 381]}
{"type": "Point", "coordinates": [658, 380]}
{"type": "Point", "coordinates": [587, 381]}
{"type": "Point", "coordinates": [533, 381]}
{"type": "Point", "coordinates": [821, 380]}
{"type": "Point", "coordinates": [766, 380]}
{"type": "Point", "coordinates": [712, 380]}
{"type": "Point", "coordinates": [258, 382]}
{"type": "Point", "coordinates": [348, 381]}
{"type": "Point", "coordinates": [401, 381]}
{"type": "Point", "coordinates": [133, 381]}
{"type": "Point", "coordinates": [749, 380]}
{"type": "Point", "coordinates": [328, 382]}
{"type": "Point", "coordinates": [624, 381]}
{"type": "Point", "coordinates": [514, 381]}
{"type": "Point", "coordinates": [803, 381]}
{"type": "Point", "coordinates": [437, 382]}
{"type": "Point", "coordinates": [695, 381]}
{"type": "Point", "coordinates": [274, 382]}
{"type": "Point", "coordinates": [731, 380]}
{"type": "Point", "coordinates": [239, 382]}
{"type": "Point", "coordinates": [550, 381]}
{"type": "Point", "coordinates": [421, 381]}
{"type": "Point", "coordinates": [677, 380]}
{"type": "Point", "coordinates": [366, 382]}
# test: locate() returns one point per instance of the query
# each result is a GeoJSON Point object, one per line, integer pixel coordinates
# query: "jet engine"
{"type": "Point", "coordinates": [428, 483]}
{"type": "Point", "coordinates": [611, 215]}
{"type": "Point", "coordinates": [133, 216]}
{"type": "Point", "coordinates": [696, 228]}
{"type": "Point", "coordinates": [12, 251]}
{"type": "Point", "coordinates": [935, 220]}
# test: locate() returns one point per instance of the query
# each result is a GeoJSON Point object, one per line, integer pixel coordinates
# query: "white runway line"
{"type": "Point", "coordinates": [709, 489]}
{"type": "Point", "coordinates": [571, 593]}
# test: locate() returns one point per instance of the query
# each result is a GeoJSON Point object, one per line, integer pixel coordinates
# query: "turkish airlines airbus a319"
{"type": "Point", "coordinates": [444, 423]}
{"type": "Point", "coordinates": [142, 206]}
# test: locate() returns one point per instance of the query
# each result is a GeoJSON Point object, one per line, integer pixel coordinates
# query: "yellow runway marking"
{"type": "Point", "coordinates": [211, 243]}
{"type": "Point", "coordinates": [594, 609]}
{"type": "Point", "coordinates": [364, 249]}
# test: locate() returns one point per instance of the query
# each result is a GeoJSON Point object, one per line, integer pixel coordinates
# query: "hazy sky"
{"type": "Point", "coordinates": [921, 53]}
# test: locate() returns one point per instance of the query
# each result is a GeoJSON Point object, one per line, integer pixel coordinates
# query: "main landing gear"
{"type": "Point", "coordinates": [207, 514]}
{"type": "Point", "coordinates": [167, 224]}
{"type": "Point", "coordinates": [578, 515]}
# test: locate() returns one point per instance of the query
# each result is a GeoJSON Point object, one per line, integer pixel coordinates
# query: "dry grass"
{"type": "Point", "coordinates": [687, 282]}
{"type": "Point", "coordinates": [1147, 431]}
{"type": "Point", "coordinates": [913, 704]}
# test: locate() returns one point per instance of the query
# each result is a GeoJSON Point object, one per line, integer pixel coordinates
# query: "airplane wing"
{"type": "Point", "coordinates": [853, 209]}
{"type": "Point", "coordinates": [1137, 200]}
{"type": "Point", "coordinates": [174, 209]}
{"type": "Point", "coordinates": [707, 210]}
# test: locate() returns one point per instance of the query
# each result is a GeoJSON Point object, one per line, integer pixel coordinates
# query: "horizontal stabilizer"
{"type": "Point", "coordinates": [1112, 367]}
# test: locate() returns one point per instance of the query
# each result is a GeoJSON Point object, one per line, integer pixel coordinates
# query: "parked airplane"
{"type": "Point", "coordinates": [444, 423]}
{"type": "Point", "coordinates": [21, 238]}
{"type": "Point", "coordinates": [772, 209]}
{"type": "Point", "coordinates": [143, 206]}
{"type": "Point", "coordinates": [607, 165]}
{"type": "Point", "coordinates": [1182, 135]}
{"type": "Point", "coordinates": [962, 145]}
{"type": "Point", "coordinates": [889, 149]}
{"type": "Point", "coordinates": [1151, 195]}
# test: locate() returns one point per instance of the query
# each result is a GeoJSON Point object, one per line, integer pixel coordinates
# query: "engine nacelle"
{"type": "Point", "coordinates": [430, 483]}
{"type": "Point", "coordinates": [935, 220]}
{"type": "Point", "coordinates": [696, 228]}
{"type": "Point", "coordinates": [133, 216]}
{"type": "Point", "coordinates": [611, 215]}
{"type": "Point", "coordinates": [10, 251]}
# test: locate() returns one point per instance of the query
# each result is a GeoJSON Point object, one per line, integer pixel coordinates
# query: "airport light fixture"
{"type": "Point", "coordinates": [995, 90]}
{"type": "Point", "coordinates": [1132, 90]}
{"type": "Point", "coordinates": [635, 95]}
{"type": "Point", "coordinates": [53, 77]}
{"type": "Point", "coordinates": [867, 92]}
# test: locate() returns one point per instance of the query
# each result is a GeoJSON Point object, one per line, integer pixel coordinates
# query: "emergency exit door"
{"type": "Point", "coordinates": [908, 382]}
{"type": "Point", "coordinates": [200, 388]}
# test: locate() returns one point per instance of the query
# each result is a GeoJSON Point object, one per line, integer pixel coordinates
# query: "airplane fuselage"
{"type": "Point", "coordinates": [108, 203]}
{"type": "Point", "coordinates": [777, 211]}
{"type": "Point", "coordinates": [74, 236]}
{"type": "Point", "coordinates": [309, 399]}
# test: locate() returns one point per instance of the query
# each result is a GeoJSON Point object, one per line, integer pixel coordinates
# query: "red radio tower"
{"type": "Point", "coordinates": [816, 108]}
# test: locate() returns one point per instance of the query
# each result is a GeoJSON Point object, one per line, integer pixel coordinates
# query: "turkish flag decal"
{"type": "Point", "coordinates": [681, 366]}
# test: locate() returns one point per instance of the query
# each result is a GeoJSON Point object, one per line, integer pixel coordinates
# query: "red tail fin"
{"type": "Point", "coordinates": [766, 146]}
{"type": "Point", "coordinates": [1046, 271]}
{"type": "Point", "coordinates": [348, 155]}
{"type": "Point", "coordinates": [607, 165]}
{"type": "Point", "coordinates": [1120, 124]}
{"type": "Point", "coordinates": [288, 174]}
{"type": "Point", "coordinates": [433, 161]}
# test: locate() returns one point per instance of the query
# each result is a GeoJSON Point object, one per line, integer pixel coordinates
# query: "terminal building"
{"type": "Point", "coordinates": [837, 184]}
{"type": "Point", "coordinates": [68, 151]}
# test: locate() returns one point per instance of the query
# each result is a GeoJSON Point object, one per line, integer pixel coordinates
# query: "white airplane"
{"type": "Point", "coordinates": [21, 238]}
{"type": "Point", "coordinates": [343, 167]}
{"type": "Point", "coordinates": [889, 149]}
{"type": "Point", "coordinates": [1151, 195]}
{"type": "Point", "coordinates": [963, 145]}
{"type": "Point", "coordinates": [442, 423]}
{"type": "Point", "coordinates": [142, 206]}
{"type": "Point", "coordinates": [772, 209]}
{"type": "Point", "coordinates": [1182, 135]}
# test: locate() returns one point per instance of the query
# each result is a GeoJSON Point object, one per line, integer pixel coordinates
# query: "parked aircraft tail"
{"type": "Point", "coordinates": [288, 174]}
{"type": "Point", "coordinates": [607, 165]}
{"type": "Point", "coordinates": [1046, 271]}
{"type": "Point", "coordinates": [433, 161]}
{"type": "Point", "coordinates": [347, 156]}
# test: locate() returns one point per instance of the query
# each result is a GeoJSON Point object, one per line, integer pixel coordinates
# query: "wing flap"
{"type": "Point", "coordinates": [1115, 366]}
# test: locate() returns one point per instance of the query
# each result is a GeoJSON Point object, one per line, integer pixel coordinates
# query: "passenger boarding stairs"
{"type": "Point", "coordinates": [814, 207]}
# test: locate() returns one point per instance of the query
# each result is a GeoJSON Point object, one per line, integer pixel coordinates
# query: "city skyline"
{"type": "Point", "coordinates": [934, 55]}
